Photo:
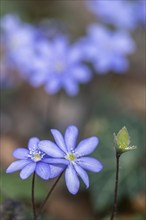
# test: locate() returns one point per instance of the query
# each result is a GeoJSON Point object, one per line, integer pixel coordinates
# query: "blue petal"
{"type": "Point", "coordinates": [56, 170]}
{"type": "Point", "coordinates": [71, 87]}
{"type": "Point", "coordinates": [59, 139]}
{"type": "Point", "coordinates": [43, 170]}
{"type": "Point", "coordinates": [72, 181]}
{"type": "Point", "coordinates": [83, 174]}
{"type": "Point", "coordinates": [51, 149]}
{"type": "Point", "coordinates": [21, 153]}
{"type": "Point", "coordinates": [33, 143]}
{"type": "Point", "coordinates": [56, 161]}
{"type": "Point", "coordinates": [71, 134]}
{"type": "Point", "coordinates": [53, 86]}
{"type": "Point", "coordinates": [17, 165]}
{"type": "Point", "coordinates": [81, 73]}
{"type": "Point", "coordinates": [90, 164]}
{"type": "Point", "coordinates": [27, 170]}
{"type": "Point", "coordinates": [86, 146]}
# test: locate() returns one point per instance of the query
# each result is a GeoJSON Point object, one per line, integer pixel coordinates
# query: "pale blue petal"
{"type": "Point", "coordinates": [27, 170]}
{"type": "Point", "coordinates": [51, 149]}
{"type": "Point", "coordinates": [81, 73]}
{"type": "Point", "coordinates": [43, 170]}
{"type": "Point", "coordinates": [56, 170]}
{"type": "Point", "coordinates": [53, 86]}
{"type": "Point", "coordinates": [71, 87]}
{"type": "Point", "coordinates": [33, 143]}
{"type": "Point", "coordinates": [71, 135]}
{"type": "Point", "coordinates": [90, 164]}
{"type": "Point", "coordinates": [83, 174]}
{"type": "Point", "coordinates": [86, 146]}
{"type": "Point", "coordinates": [20, 153]}
{"type": "Point", "coordinates": [17, 165]}
{"type": "Point", "coordinates": [71, 179]}
{"type": "Point", "coordinates": [56, 161]}
{"type": "Point", "coordinates": [59, 139]}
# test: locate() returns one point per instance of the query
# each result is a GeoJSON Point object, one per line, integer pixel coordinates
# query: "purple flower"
{"type": "Point", "coordinates": [19, 40]}
{"type": "Point", "coordinates": [106, 49]}
{"type": "Point", "coordinates": [59, 67]}
{"type": "Point", "coordinates": [66, 151]}
{"type": "Point", "coordinates": [119, 13]}
{"type": "Point", "coordinates": [140, 12]}
{"type": "Point", "coordinates": [33, 160]}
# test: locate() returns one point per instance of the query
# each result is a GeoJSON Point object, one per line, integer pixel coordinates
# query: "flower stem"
{"type": "Point", "coordinates": [32, 197]}
{"type": "Point", "coordinates": [48, 195]}
{"type": "Point", "coordinates": [114, 210]}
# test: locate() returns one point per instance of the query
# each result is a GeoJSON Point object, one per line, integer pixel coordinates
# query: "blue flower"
{"type": "Point", "coordinates": [60, 67]}
{"type": "Point", "coordinates": [74, 157]}
{"type": "Point", "coordinates": [140, 12]}
{"type": "Point", "coordinates": [119, 13]}
{"type": "Point", "coordinates": [19, 40]}
{"type": "Point", "coordinates": [106, 49]}
{"type": "Point", "coordinates": [33, 160]}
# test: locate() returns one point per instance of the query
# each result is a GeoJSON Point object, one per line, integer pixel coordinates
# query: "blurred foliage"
{"type": "Point", "coordinates": [132, 172]}
{"type": "Point", "coordinates": [28, 216]}
{"type": "Point", "coordinates": [13, 187]}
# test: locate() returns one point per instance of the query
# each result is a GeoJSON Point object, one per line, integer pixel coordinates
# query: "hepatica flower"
{"type": "Point", "coordinates": [33, 160]}
{"type": "Point", "coordinates": [119, 13]}
{"type": "Point", "coordinates": [19, 39]}
{"type": "Point", "coordinates": [73, 155]}
{"type": "Point", "coordinates": [61, 67]}
{"type": "Point", "coordinates": [107, 50]}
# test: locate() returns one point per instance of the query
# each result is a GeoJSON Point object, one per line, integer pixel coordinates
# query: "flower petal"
{"type": "Point", "coordinates": [81, 73]}
{"type": "Point", "coordinates": [33, 143]}
{"type": "Point", "coordinates": [72, 181]}
{"type": "Point", "coordinates": [90, 164]}
{"type": "Point", "coordinates": [17, 165]}
{"type": "Point", "coordinates": [51, 149]}
{"type": "Point", "coordinates": [56, 170]}
{"type": "Point", "coordinates": [71, 134]}
{"type": "Point", "coordinates": [43, 170]}
{"type": "Point", "coordinates": [59, 139]}
{"type": "Point", "coordinates": [27, 170]}
{"type": "Point", "coordinates": [56, 161]}
{"type": "Point", "coordinates": [83, 174]}
{"type": "Point", "coordinates": [20, 153]}
{"type": "Point", "coordinates": [71, 87]}
{"type": "Point", "coordinates": [86, 146]}
{"type": "Point", "coordinates": [53, 86]}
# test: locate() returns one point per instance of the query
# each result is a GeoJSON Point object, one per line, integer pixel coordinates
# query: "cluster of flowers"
{"type": "Point", "coordinates": [55, 63]}
{"type": "Point", "coordinates": [122, 14]}
{"type": "Point", "coordinates": [107, 45]}
{"type": "Point", "coordinates": [49, 159]}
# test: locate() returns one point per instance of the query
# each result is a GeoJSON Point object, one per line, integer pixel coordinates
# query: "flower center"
{"type": "Point", "coordinates": [71, 157]}
{"type": "Point", "coordinates": [36, 155]}
{"type": "Point", "coordinates": [59, 67]}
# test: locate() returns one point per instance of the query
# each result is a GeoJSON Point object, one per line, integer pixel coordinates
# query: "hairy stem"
{"type": "Point", "coordinates": [114, 210]}
{"type": "Point", "coordinates": [32, 197]}
{"type": "Point", "coordinates": [48, 195]}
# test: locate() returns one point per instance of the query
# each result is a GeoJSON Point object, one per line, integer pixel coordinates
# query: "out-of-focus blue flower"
{"type": "Point", "coordinates": [106, 49]}
{"type": "Point", "coordinates": [140, 12]}
{"type": "Point", "coordinates": [66, 151]}
{"type": "Point", "coordinates": [33, 160]}
{"type": "Point", "coordinates": [54, 63]}
{"type": "Point", "coordinates": [19, 42]}
{"type": "Point", "coordinates": [119, 13]}
{"type": "Point", "coordinates": [59, 66]}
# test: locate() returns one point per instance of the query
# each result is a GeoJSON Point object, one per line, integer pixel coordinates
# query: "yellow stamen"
{"type": "Point", "coordinates": [71, 157]}
{"type": "Point", "coordinates": [36, 157]}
